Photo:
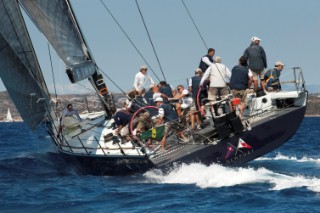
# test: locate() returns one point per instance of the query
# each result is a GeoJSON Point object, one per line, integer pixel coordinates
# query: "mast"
{"type": "Point", "coordinates": [96, 79]}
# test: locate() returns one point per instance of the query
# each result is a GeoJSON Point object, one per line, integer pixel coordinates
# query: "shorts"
{"type": "Point", "coordinates": [214, 91]}
{"type": "Point", "coordinates": [193, 109]}
{"type": "Point", "coordinates": [258, 74]}
{"type": "Point", "coordinates": [242, 94]}
{"type": "Point", "coordinates": [125, 130]}
{"type": "Point", "coordinates": [143, 119]}
{"type": "Point", "coordinates": [186, 112]}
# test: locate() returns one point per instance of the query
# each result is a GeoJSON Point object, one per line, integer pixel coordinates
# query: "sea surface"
{"type": "Point", "coordinates": [33, 178]}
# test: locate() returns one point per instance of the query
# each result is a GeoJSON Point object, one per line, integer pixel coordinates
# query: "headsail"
{"type": "Point", "coordinates": [23, 89]}
{"type": "Point", "coordinates": [13, 29]}
{"type": "Point", "coordinates": [57, 22]}
{"type": "Point", "coordinates": [19, 68]}
{"type": "Point", "coordinates": [54, 19]}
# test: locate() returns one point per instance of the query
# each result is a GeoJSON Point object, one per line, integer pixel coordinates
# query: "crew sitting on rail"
{"type": "Point", "coordinates": [272, 77]}
{"type": "Point", "coordinates": [181, 92]}
{"type": "Point", "coordinates": [169, 117]}
{"type": "Point", "coordinates": [157, 94]}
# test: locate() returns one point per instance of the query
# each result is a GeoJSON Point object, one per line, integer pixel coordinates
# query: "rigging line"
{"type": "Point", "coordinates": [185, 6]}
{"type": "Point", "coordinates": [112, 81]}
{"type": "Point", "coordinates": [53, 78]}
{"type": "Point", "coordinates": [135, 47]}
{"type": "Point", "coordinates": [154, 50]}
{"type": "Point", "coordinates": [85, 87]}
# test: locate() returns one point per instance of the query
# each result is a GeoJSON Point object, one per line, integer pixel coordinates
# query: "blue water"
{"type": "Point", "coordinates": [33, 178]}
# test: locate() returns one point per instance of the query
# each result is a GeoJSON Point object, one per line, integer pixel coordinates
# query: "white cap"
{"type": "Point", "coordinates": [152, 85]}
{"type": "Point", "coordinates": [279, 63]}
{"type": "Point", "coordinates": [254, 38]}
{"type": "Point", "coordinates": [217, 59]}
{"type": "Point", "coordinates": [123, 102]}
{"type": "Point", "coordinates": [159, 99]}
{"type": "Point", "coordinates": [198, 70]}
{"type": "Point", "coordinates": [143, 67]}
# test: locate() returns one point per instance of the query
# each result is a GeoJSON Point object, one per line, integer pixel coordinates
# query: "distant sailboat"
{"type": "Point", "coordinates": [9, 116]}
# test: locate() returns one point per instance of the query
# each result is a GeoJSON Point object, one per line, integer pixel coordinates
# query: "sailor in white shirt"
{"type": "Point", "coordinates": [140, 79]}
{"type": "Point", "coordinates": [219, 75]}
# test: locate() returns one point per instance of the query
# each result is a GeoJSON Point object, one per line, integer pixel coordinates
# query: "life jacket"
{"type": "Point", "coordinates": [169, 113]}
{"type": "Point", "coordinates": [166, 90]}
{"type": "Point", "coordinates": [195, 81]}
{"type": "Point", "coordinates": [203, 66]}
{"type": "Point", "coordinates": [239, 78]}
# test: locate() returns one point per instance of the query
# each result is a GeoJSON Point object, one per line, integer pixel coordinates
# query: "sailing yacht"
{"type": "Point", "coordinates": [92, 145]}
{"type": "Point", "coordinates": [9, 116]}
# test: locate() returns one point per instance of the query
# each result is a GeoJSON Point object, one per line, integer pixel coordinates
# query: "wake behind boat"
{"type": "Point", "coordinates": [93, 145]}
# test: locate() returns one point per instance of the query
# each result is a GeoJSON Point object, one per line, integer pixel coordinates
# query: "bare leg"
{"type": "Point", "coordinates": [255, 85]}
{"type": "Point", "coordinates": [178, 109]}
{"type": "Point", "coordinates": [192, 120]}
{"type": "Point", "coordinates": [163, 141]}
{"type": "Point", "coordinates": [197, 118]}
{"type": "Point", "coordinates": [263, 84]}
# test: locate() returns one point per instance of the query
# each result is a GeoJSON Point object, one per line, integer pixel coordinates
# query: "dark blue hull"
{"type": "Point", "coordinates": [267, 135]}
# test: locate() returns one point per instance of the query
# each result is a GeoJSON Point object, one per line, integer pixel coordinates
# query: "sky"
{"type": "Point", "coordinates": [289, 31]}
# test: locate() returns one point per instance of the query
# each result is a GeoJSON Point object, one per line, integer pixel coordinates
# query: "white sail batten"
{"type": "Point", "coordinates": [19, 67]}
{"type": "Point", "coordinates": [54, 19]}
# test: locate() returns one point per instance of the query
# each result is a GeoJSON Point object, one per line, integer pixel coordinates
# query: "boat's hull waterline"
{"type": "Point", "coordinates": [267, 135]}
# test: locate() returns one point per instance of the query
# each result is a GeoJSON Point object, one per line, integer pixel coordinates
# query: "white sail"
{"type": "Point", "coordinates": [55, 20]}
{"type": "Point", "coordinates": [9, 116]}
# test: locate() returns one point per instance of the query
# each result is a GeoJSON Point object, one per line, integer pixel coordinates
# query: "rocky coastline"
{"type": "Point", "coordinates": [91, 102]}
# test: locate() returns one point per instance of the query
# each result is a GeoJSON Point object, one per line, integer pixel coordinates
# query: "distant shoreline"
{"type": "Point", "coordinates": [20, 120]}
{"type": "Point", "coordinates": [312, 116]}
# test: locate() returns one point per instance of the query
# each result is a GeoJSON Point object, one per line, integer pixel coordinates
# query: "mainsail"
{"type": "Point", "coordinates": [19, 67]}
{"type": "Point", "coordinates": [55, 20]}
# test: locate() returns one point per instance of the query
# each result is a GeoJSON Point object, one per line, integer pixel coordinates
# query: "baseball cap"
{"type": "Point", "coordinates": [254, 38]}
{"type": "Point", "coordinates": [143, 67]}
{"type": "Point", "coordinates": [159, 99]}
{"type": "Point", "coordinates": [279, 63]}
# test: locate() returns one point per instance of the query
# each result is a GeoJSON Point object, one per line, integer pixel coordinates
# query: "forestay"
{"type": "Point", "coordinates": [19, 68]}
{"type": "Point", "coordinates": [55, 20]}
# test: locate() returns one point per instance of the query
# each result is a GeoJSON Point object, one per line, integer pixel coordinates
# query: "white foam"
{"type": "Point", "coordinates": [216, 176]}
{"type": "Point", "coordinates": [291, 158]}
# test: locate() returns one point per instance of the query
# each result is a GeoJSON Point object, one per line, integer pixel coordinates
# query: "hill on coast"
{"type": "Point", "coordinates": [91, 102]}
